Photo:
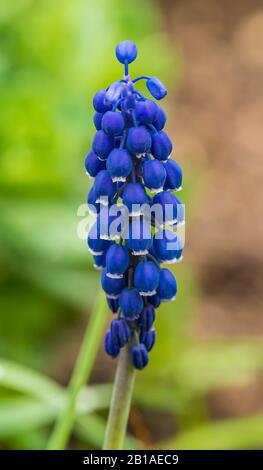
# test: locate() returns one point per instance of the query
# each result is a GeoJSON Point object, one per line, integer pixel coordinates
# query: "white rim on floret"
{"type": "Point", "coordinates": [140, 252]}
{"type": "Point", "coordinates": [156, 190]}
{"type": "Point", "coordinates": [168, 300]}
{"type": "Point", "coordinates": [181, 223]}
{"type": "Point", "coordinates": [114, 276]}
{"type": "Point", "coordinates": [89, 176]}
{"type": "Point", "coordinates": [104, 237]}
{"type": "Point", "coordinates": [112, 296]}
{"type": "Point", "coordinates": [101, 159]}
{"type": "Point", "coordinates": [96, 266]}
{"type": "Point", "coordinates": [169, 222]}
{"type": "Point", "coordinates": [174, 190]}
{"type": "Point", "coordinates": [115, 238]}
{"type": "Point", "coordinates": [116, 179]}
{"type": "Point", "coordinates": [110, 238]}
{"type": "Point", "coordinates": [148, 294]}
{"type": "Point", "coordinates": [171, 261]}
{"type": "Point", "coordinates": [95, 253]}
{"type": "Point", "coordinates": [136, 213]}
{"type": "Point", "coordinates": [140, 155]}
{"type": "Point", "coordinates": [165, 161]}
{"type": "Point", "coordinates": [102, 200]}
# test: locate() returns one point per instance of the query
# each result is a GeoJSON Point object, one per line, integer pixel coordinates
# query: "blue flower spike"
{"type": "Point", "coordinates": [134, 207]}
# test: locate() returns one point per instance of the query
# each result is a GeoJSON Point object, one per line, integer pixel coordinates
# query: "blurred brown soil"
{"type": "Point", "coordinates": [219, 130]}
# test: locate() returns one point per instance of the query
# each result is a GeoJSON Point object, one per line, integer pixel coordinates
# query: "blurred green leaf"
{"type": "Point", "coordinates": [23, 414]}
{"type": "Point", "coordinates": [207, 366]}
{"type": "Point", "coordinates": [22, 379]}
{"type": "Point", "coordinates": [239, 433]}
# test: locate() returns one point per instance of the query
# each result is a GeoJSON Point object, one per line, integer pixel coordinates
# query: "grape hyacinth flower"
{"type": "Point", "coordinates": [134, 174]}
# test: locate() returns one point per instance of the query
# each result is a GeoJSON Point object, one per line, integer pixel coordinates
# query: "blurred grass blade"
{"type": "Point", "coordinates": [81, 373]}
{"type": "Point", "coordinates": [20, 378]}
{"type": "Point", "coordinates": [22, 414]}
{"type": "Point", "coordinates": [239, 433]}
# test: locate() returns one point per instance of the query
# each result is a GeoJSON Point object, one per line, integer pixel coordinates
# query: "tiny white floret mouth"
{"type": "Point", "coordinates": [89, 176]}
{"type": "Point", "coordinates": [140, 155]}
{"type": "Point", "coordinates": [169, 222]}
{"type": "Point", "coordinates": [181, 223]}
{"type": "Point", "coordinates": [140, 252]}
{"type": "Point", "coordinates": [171, 261]}
{"type": "Point", "coordinates": [114, 276]}
{"type": "Point", "coordinates": [99, 268]}
{"type": "Point", "coordinates": [168, 300]}
{"type": "Point", "coordinates": [156, 190]}
{"type": "Point", "coordinates": [148, 294]}
{"type": "Point", "coordinates": [136, 213]}
{"type": "Point", "coordinates": [112, 296]}
{"type": "Point", "coordinates": [101, 159]}
{"type": "Point", "coordinates": [116, 179]}
{"type": "Point", "coordinates": [102, 200]}
{"type": "Point", "coordinates": [104, 236]}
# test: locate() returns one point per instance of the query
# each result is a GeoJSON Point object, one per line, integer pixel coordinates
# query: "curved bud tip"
{"type": "Point", "coordinates": [156, 88]}
{"type": "Point", "coordinates": [126, 51]}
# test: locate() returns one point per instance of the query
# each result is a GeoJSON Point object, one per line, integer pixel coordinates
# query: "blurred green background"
{"type": "Point", "coordinates": [203, 388]}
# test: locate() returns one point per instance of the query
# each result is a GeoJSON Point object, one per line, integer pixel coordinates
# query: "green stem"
{"type": "Point", "coordinates": [120, 402]}
{"type": "Point", "coordinates": [81, 373]}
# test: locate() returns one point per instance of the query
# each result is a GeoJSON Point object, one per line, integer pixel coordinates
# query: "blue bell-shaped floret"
{"type": "Point", "coordinates": [153, 253]}
{"type": "Point", "coordinates": [156, 88]}
{"type": "Point", "coordinates": [146, 318]}
{"type": "Point", "coordinates": [93, 165]}
{"type": "Point", "coordinates": [104, 187]}
{"type": "Point", "coordinates": [126, 52]}
{"type": "Point", "coordinates": [167, 286]}
{"type": "Point", "coordinates": [168, 246]}
{"type": "Point", "coordinates": [134, 196]}
{"type": "Point", "coordinates": [113, 304]}
{"type": "Point", "coordinates": [148, 338]}
{"type": "Point", "coordinates": [117, 260]}
{"type": "Point", "coordinates": [146, 111]}
{"type": "Point", "coordinates": [99, 102]}
{"type": "Point", "coordinates": [138, 236]}
{"type": "Point", "coordinates": [112, 287]}
{"type": "Point", "coordinates": [120, 331]}
{"type": "Point", "coordinates": [110, 222]}
{"type": "Point", "coordinates": [174, 176]}
{"type": "Point", "coordinates": [138, 140]}
{"type": "Point", "coordinates": [146, 278]}
{"type": "Point", "coordinates": [113, 93]}
{"type": "Point", "coordinates": [99, 261]}
{"type": "Point", "coordinates": [154, 300]}
{"type": "Point", "coordinates": [96, 245]}
{"type": "Point", "coordinates": [102, 144]}
{"type": "Point", "coordinates": [160, 119]}
{"type": "Point", "coordinates": [139, 356]}
{"type": "Point", "coordinates": [161, 146]}
{"type": "Point", "coordinates": [154, 175]}
{"type": "Point", "coordinates": [111, 346]}
{"type": "Point", "coordinates": [119, 164]}
{"type": "Point", "coordinates": [93, 206]}
{"type": "Point", "coordinates": [97, 118]}
{"type": "Point", "coordinates": [166, 208]}
{"type": "Point", "coordinates": [131, 303]}
{"type": "Point", "coordinates": [112, 123]}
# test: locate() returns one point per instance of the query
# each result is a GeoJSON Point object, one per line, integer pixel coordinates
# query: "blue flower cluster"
{"type": "Point", "coordinates": [133, 175]}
